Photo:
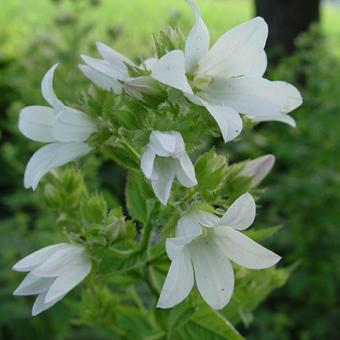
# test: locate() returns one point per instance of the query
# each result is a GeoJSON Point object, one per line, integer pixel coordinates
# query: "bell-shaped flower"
{"type": "Point", "coordinates": [164, 159]}
{"type": "Point", "coordinates": [202, 250]}
{"type": "Point", "coordinates": [111, 73]}
{"type": "Point", "coordinates": [228, 78]}
{"type": "Point", "coordinates": [258, 168]}
{"type": "Point", "coordinates": [52, 272]}
{"type": "Point", "coordinates": [64, 128]}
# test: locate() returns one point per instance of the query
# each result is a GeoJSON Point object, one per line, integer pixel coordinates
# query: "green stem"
{"type": "Point", "coordinates": [154, 259]}
{"type": "Point", "coordinates": [128, 145]}
{"type": "Point", "coordinates": [120, 252]}
{"type": "Point", "coordinates": [146, 238]}
{"type": "Point", "coordinates": [191, 193]}
{"type": "Point", "coordinates": [150, 281]}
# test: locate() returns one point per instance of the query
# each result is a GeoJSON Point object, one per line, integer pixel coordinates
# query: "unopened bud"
{"type": "Point", "coordinates": [176, 37]}
{"type": "Point", "coordinates": [52, 196]}
{"type": "Point", "coordinates": [136, 87]}
{"type": "Point", "coordinates": [120, 229]}
{"type": "Point", "coordinates": [258, 168]}
{"type": "Point", "coordinates": [94, 209]}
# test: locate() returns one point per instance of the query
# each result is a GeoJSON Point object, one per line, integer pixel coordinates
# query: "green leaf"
{"type": "Point", "coordinates": [251, 288]}
{"type": "Point", "coordinates": [127, 119]}
{"type": "Point", "coordinates": [115, 264]}
{"type": "Point", "coordinates": [134, 323]}
{"type": "Point", "coordinates": [121, 154]}
{"type": "Point", "coordinates": [209, 324]}
{"type": "Point", "coordinates": [179, 316]}
{"type": "Point", "coordinates": [139, 197]}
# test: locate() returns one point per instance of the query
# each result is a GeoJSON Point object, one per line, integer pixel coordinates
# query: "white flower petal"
{"type": "Point", "coordinates": [162, 178]}
{"type": "Point", "coordinates": [149, 62]}
{"type": "Point", "coordinates": [32, 285]}
{"type": "Point", "coordinates": [243, 250]}
{"type": "Point", "coordinates": [259, 65]}
{"type": "Point", "coordinates": [290, 96]}
{"type": "Point", "coordinates": [235, 52]}
{"type": "Point", "coordinates": [188, 225]}
{"type": "Point", "coordinates": [72, 126]}
{"type": "Point", "coordinates": [185, 171]}
{"type": "Point", "coordinates": [194, 99]}
{"type": "Point", "coordinates": [253, 96]}
{"type": "Point", "coordinates": [102, 81]}
{"type": "Point", "coordinates": [112, 56]}
{"type": "Point", "coordinates": [37, 258]}
{"type": "Point", "coordinates": [105, 68]}
{"type": "Point", "coordinates": [258, 168]}
{"type": "Point", "coordinates": [284, 118]}
{"type": "Point", "coordinates": [197, 43]}
{"type": "Point", "coordinates": [165, 143]}
{"type": "Point", "coordinates": [213, 272]}
{"type": "Point", "coordinates": [228, 120]}
{"type": "Point", "coordinates": [35, 122]}
{"type": "Point", "coordinates": [241, 214]}
{"type": "Point", "coordinates": [188, 228]}
{"type": "Point", "coordinates": [40, 305]}
{"type": "Point", "coordinates": [170, 70]}
{"type": "Point", "coordinates": [206, 219]}
{"type": "Point", "coordinates": [76, 271]}
{"type": "Point", "coordinates": [147, 162]}
{"type": "Point", "coordinates": [175, 245]}
{"type": "Point", "coordinates": [49, 157]}
{"type": "Point", "coordinates": [60, 262]}
{"type": "Point", "coordinates": [178, 283]}
{"type": "Point", "coordinates": [47, 90]}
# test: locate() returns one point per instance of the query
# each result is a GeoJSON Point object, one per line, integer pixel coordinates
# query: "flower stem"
{"type": "Point", "coordinates": [150, 281]}
{"type": "Point", "coordinates": [128, 145]}
{"type": "Point", "coordinates": [146, 238]}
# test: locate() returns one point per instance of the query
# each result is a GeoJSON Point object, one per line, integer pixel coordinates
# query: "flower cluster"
{"type": "Point", "coordinates": [223, 81]}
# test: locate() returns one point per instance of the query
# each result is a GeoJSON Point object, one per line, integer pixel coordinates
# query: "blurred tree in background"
{"type": "Point", "coordinates": [287, 19]}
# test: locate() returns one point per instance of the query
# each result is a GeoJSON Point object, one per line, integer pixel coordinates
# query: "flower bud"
{"type": "Point", "coordinates": [136, 87]}
{"type": "Point", "coordinates": [258, 168]}
{"type": "Point", "coordinates": [52, 197]}
{"type": "Point", "coordinates": [94, 209]}
{"type": "Point", "coordinates": [118, 228]}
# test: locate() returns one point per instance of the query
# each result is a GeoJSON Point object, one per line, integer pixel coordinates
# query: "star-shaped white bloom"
{"type": "Point", "coordinates": [112, 74]}
{"type": "Point", "coordinates": [202, 250]}
{"type": "Point", "coordinates": [64, 128]}
{"type": "Point", "coordinates": [228, 78]}
{"type": "Point", "coordinates": [164, 159]}
{"type": "Point", "coordinates": [53, 272]}
{"type": "Point", "coordinates": [258, 168]}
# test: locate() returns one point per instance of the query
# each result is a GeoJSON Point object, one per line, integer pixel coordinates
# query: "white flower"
{"type": "Point", "coordinates": [64, 128]}
{"type": "Point", "coordinates": [164, 159]}
{"type": "Point", "coordinates": [53, 272]}
{"type": "Point", "coordinates": [258, 168]}
{"type": "Point", "coordinates": [112, 74]}
{"type": "Point", "coordinates": [228, 78]}
{"type": "Point", "coordinates": [203, 247]}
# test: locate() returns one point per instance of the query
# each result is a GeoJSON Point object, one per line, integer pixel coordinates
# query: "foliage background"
{"type": "Point", "coordinates": [303, 189]}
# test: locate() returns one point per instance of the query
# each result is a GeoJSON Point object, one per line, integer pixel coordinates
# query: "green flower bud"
{"type": "Point", "coordinates": [52, 197]}
{"type": "Point", "coordinates": [94, 208]}
{"type": "Point", "coordinates": [118, 228]}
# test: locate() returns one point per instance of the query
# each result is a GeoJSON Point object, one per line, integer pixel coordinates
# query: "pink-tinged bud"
{"type": "Point", "coordinates": [258, 168]}
{"type": "Point", "coordinates": [136, 87]}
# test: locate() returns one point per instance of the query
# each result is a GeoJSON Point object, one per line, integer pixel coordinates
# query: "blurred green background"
{"type": "Point", "coordinates": [303, 190]}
